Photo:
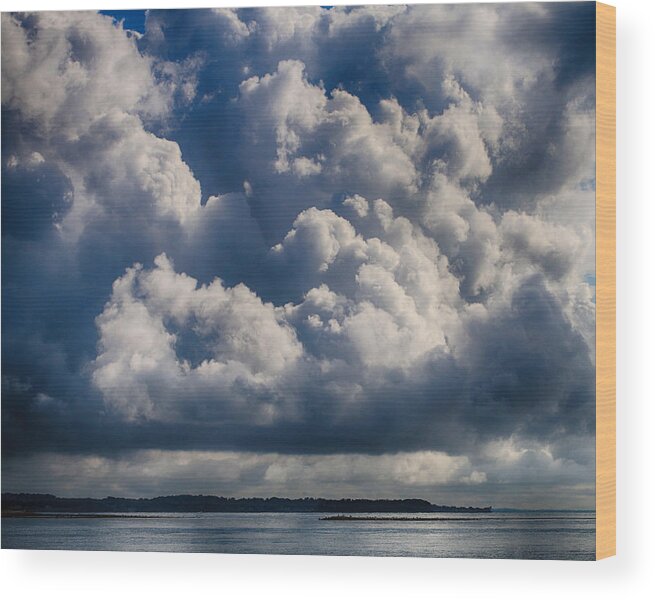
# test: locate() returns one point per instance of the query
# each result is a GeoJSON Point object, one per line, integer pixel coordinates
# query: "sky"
{"type": "Point", "coordinates": [338, 252]}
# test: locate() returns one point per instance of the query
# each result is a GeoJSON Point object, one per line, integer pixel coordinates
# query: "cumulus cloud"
{"type": "Point", "coordinates": [63, 69]}
{"type": "Point", "coordinates": [333, 246]}
{"type": "Point", "coordinates": [81, 91]}
{"type": "Point", "coordinates": [138, 367]}
{"type": "Point", "coordinates": [552, 248]}
{"type": "Point", "coordinates": [296, 131]}
{"type": "Point", "coordinates": [382, 320]}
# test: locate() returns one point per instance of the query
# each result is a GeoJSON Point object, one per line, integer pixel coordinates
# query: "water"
{"type": "Point", "coordinates": [529, 535]}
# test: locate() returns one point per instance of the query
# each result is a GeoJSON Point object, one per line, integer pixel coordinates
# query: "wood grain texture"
{"type": "Point", "coordinates": [605, 280]}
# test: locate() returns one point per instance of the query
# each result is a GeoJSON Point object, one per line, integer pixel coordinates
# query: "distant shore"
{"type": "Point", "coordinates": [47, 503]}
{"type": "Point", "coordinates": [62, 515]}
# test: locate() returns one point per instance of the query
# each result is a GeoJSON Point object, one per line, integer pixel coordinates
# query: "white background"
{"type": "Point", "coordinates": [31, 574]}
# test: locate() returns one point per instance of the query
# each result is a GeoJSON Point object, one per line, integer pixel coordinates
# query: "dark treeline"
{"type": "Point", "coordinates": [33, 503]}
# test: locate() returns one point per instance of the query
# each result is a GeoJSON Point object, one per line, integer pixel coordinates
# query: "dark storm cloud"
{"type": "Point", "coordinates": [302, 232]}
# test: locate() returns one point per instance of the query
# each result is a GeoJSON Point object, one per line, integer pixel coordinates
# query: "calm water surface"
{"type": "Point", "coordinates": [547, 535]}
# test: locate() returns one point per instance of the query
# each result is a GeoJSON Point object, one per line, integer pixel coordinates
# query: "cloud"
{"type": "Point", "coordinates": [344, 241]}
{"type": "Point", "coordinates": [532, 477]}
{"type": "Point", "coordinates": [428, 45]}
{"type": "Point", "coordinates": [81, 91]}
{"type": "Point", "coordinates": [223, 472]}
{"type": "Point", "coordinates": [295, 131]}
{"type": "Point", "coordinates": [240, 340]}
{"type": "Point", "coordinates": [552, 248]}
{"type": "Point", "coordinates": [381, 322]}
{"type": "Point", "coordinates": [63, 69]}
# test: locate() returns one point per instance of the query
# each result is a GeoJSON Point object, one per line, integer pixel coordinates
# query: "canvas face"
{"type": "Point", "coordinates": [301, 280]}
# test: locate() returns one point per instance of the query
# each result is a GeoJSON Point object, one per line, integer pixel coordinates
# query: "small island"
{"type": "Point", "coordinates": [394, 518]}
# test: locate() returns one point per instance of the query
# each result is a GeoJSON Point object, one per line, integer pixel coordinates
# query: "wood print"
{"type": "Point", "coordinates": [310, 280]}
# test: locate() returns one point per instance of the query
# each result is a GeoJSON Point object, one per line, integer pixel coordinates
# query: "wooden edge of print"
{"type": "Point", "coordinates": [605, 280]}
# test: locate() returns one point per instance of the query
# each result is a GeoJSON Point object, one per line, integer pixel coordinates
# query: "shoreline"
{"type": "Point", "coordinates": [37, 515]}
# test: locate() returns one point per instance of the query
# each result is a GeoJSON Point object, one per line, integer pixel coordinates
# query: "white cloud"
{"type": "Point", "coordinates": [512, 460]}
{"type": "Point", "coordinates": [397, 294]}
{"type": "Point", "coordinates": [235, 29]}
{"type": "Point", "coordinates": [294, 125]}
{"type": "Point", "coordinates": [84, 88]}
{"type": "Point", "coordinates": [141, 368]}
{"type": "Point", "coordinates": [552, 248]}
{"type": "Point", "coordinates": [413, 469]}
{"type": "Point", "coordinates": [432, 41]}
{"type": "Point", "coordinates": [318, 238]}
{"type": "Point", "coordinates": [229, 473]}
{"type": "Point", "coordinates": [74, 68]}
